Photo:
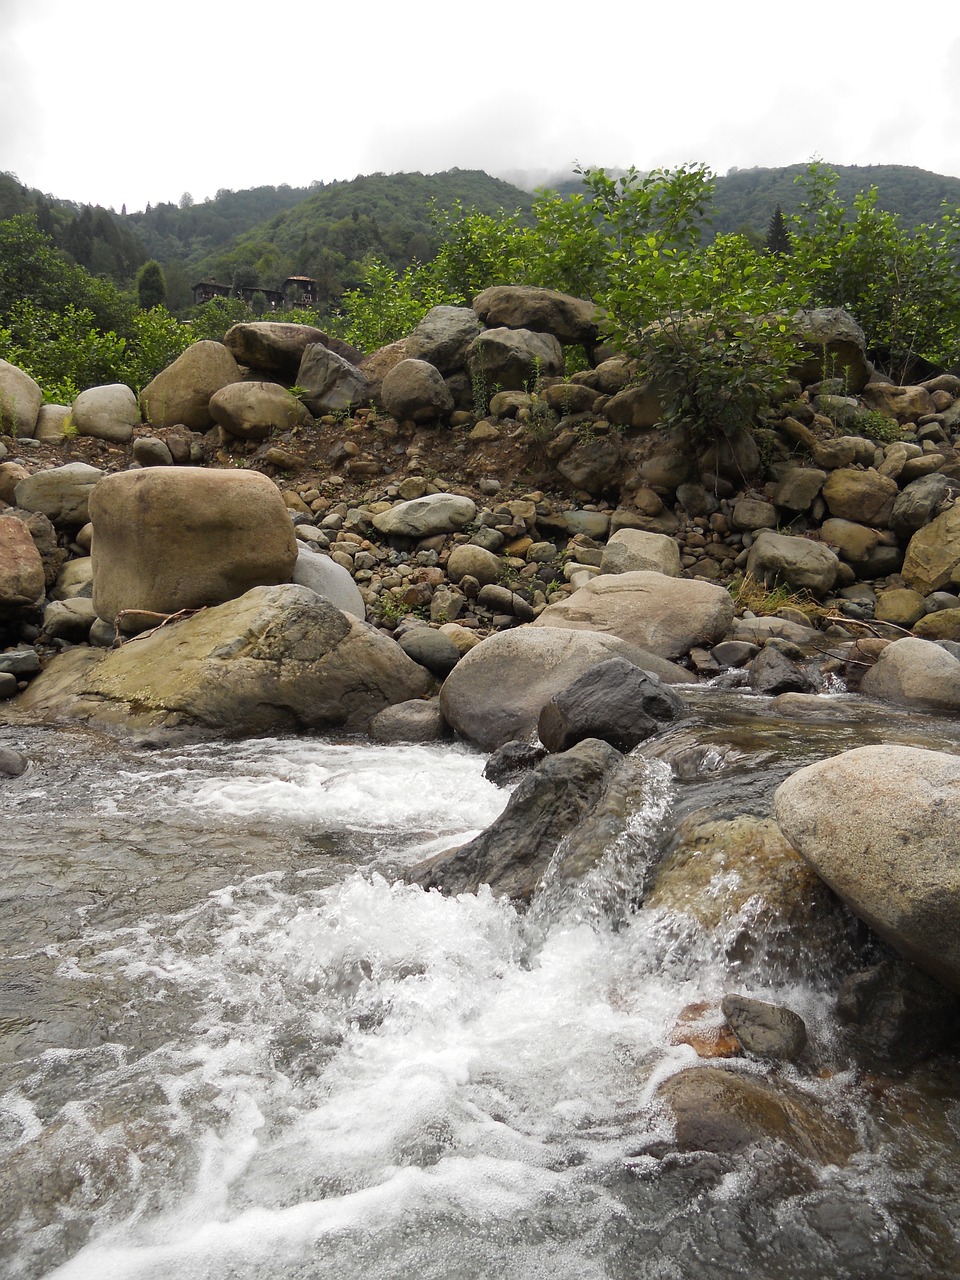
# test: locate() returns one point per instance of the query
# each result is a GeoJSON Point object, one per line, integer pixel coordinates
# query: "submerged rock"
{"type": "Point", "coordinates": [581, 797]}
{"type": "Point", "coordinates": [615, 701]}
{"type": "Point", "coordinates": [765, 1030]}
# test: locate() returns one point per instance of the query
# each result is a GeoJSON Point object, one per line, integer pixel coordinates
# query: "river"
{"type": "Point", "coordinates": [234, 1044]}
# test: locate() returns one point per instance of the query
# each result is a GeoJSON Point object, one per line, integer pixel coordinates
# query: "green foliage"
{"type": "Point", "coordinates": [874, 425]}
{"type": "Point", "coordinates": [214, 318]}
{"type": "Point", "coordinates": [151, 286]}
{"type": "Point", "coordinates": [388, 305]}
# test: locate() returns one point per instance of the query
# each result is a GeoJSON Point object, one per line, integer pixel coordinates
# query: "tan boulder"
{"type": "Point", "coordinates": [20, 401]}
{"type": "Point", "coordinates": [666, 616]}
{"type": "Point", "coordinates": [181, 392]}
{"type": "Point", "coordinates": [21, 569]}
{"type": "Point", "coordinates": [866, 497]}
{"type": "Point", "coordinates": [252, 410]}
{"type": "Point", "coordinates": [933, 553]}
{"type": "Point", "coordinates": [171, 538]}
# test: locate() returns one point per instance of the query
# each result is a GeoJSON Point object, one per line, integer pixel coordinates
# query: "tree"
{"type": "Point", "coordinates": [778, 238]}
{"type": "Point", "coordinates": [151, 286]}
{"type": "Point", "coordinates": [186, 200]}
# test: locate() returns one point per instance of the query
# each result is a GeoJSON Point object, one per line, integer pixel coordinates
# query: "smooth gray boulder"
{"type": "Point", "coordinates": [664, 615]}
{"type": "Point", "coordinates": [330, 383]}
{"type": "Point", "coordinates": [803, 565]}
{"type": "Point", "coordinates": [513, 359]}
{"type": "Point", "coordinates": [423, 517]}
{"type": "Point", "coordinates": [634, 550]}
{"type": "Point", "coordinates": [913, 672]}
{"type": "Point", "coordinates": [879, 825]}
{"type": "Point", "coordinates": [273, 346]}
{"type": "Point", "coordinates": [614, 701]}
{"type": "Point", "coordinates": [414, 390]}
{"type": "Point", "coordinates": [277, 660]}
{"type": "Point", "coordinates": [497, 690]}
{"type": "Point", "coordinates": [570, 320]}
{"type": "Point", "coordinates": [106, 413]}
{"type": "Point", "coordinates": [442, 337]}
{"type": "Point", "coordinates": [330, 580]}
{"type": "Point", "coordinates": [61, 494]}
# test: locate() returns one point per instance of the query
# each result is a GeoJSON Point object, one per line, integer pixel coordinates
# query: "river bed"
{"type": "Point", "coordinates": [233, 1043]}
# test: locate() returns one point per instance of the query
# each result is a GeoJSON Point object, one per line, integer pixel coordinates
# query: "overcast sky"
{"type": "Point", "coordinates": [113, 102]}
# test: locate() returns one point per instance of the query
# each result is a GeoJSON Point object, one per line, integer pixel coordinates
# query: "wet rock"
{"type": "Point", "coordinates": [772, 673]}
{"type": "Point", "coordinates": [666, 616]}
{"type": "Point", "coordinates": [12, 763]}
{"type": "Point", "coordinates": [615, 701]}
{"type": "Point", "coordinates": [765, 1030]}
{"type": "Point", "coordinates": [496, 692]}
{"type": "Point", "coordinates": [914, 672]}
{"type": "Point", "coordinates": [722, 1111]}
{"type": "Point", "coordinates": [702, 1026]}
{"type": "Point", "coordinates": [895, 1015]}
{"type": "Point", "coordinates": [553, 803]}
{"type": "Point", "coordinates": [879, 825]}
{"type": "Point", "coordinates": [510, 762]}
{"type": "Point", "coordinates": [413, 721]}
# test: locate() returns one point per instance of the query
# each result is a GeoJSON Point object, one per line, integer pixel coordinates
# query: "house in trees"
{"type": "Point", "coordinates": [206, 290]}
{"type": "Point", "coordinates": [299, 291]}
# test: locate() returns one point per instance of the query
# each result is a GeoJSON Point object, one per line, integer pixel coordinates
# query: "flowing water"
{"type": "Point", "coordinates": [233, 1044]}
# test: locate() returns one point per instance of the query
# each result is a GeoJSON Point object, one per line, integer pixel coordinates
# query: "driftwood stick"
{"type": "Point", "coordinates": [165, 620]}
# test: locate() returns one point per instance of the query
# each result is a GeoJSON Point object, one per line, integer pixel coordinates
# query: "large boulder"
{"type": "Point", "coordinates": [253, 410]}
{"type": "Point", "coordinates": [172, 538]}
{"type": "Point", "coordinates": [633, 550]}
{"type": "Point", "coordinates": [181, 392]}
{"type": "Point", "coordinates": [330, 383]}
{"type": "Point", "coordinates": [62, 494]}
{"type": "Point", "coordinates": [513, 359]}
{"type": "Point", "coordinates": [833, 346]}
{"type": "Point", "coordinates": [21, 569]}
{"type": "Point", "coordinates": [803, 565]}
{"type": "Point", "coordinates": [278, 659]}
{"type": "Point", "coordinates": [570, 320]}
{"type": "Point", "coordinates": [614, 701]}
{"type": "Point", "coordinates": [442, 337]}
{"type": "Point", "coordinates": [864, 496]}
{"type": "Point", "coordinates": [666, 616]}
{"type": "Point", "coordinates": [879, 825]}
{"type": "Point", "coordinates": [20, 401]}
{"type": "Point", "coordinates": [106, 413]}
{"type": "Point", "coordinates": [933, 554]}
{"type": "Point", "coordinates": [580, 788]}
{"type": "Point", "coordinates": [913, 672]}
{"type": "Point", "coordinates": [272, 346]}
{"type": "Point", "coordinates": [424, 517]}
{"type": "Point", "coordinates": [414, 390]}
{"type": "Point", "coordinates": [921, 501]}
{"type": "Point", "coordinates": [497, 690]}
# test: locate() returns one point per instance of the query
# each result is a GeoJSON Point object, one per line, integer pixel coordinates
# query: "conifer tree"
{"type": "Point", "coordinates": [778, 240]}
{"type": "Point", "coordinates": [151, 286]}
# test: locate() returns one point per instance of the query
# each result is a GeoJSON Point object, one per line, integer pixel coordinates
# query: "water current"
{"type": "Point", "coordinates": [234, 1044]}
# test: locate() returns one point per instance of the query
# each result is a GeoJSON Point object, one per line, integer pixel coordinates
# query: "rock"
{"type": "Point", "coordinates": [8, 686]}
{"type": "Point", "coordinates": [61, 494]}
{"type": "Point", "coordinates": [11, 473]}
{"type": "Point", "coordinates": [442, 337]}
{"type": "Point", "coordinates": [21, 569]}
{"type": "Point", "coordinates": [44, 536]}
{"type": "Point", "coordinates": [836, 347]}
{"type": "Point", "coordinates": [701, 1025]}
{"type": "Point", "coordinates": [765, 1030]}
{"type": "Point", "coordinates": [906, 404]}
{"type": "Point", "coordinates": [513, 359]}
{"type": "Point", "coordinates": [569, 320]}
{"type": "Point", "coordinates": [751, 513]}
{"type": "Point", "coordinates": [496, 692]}
{"type": "Point", "coordinates": [944, 624]}
{"type": "Point", "coordinates": [52, 423]}
{"type": "Point", "coordinates": [798, 488]}
{"type": "Point", "coordinates": [866, 497]}
{"type": "Point", "coordinates": [502, 600]}
{"type": "Point", "coordinates": [614, 701]}
{"type": "Point", "coordinates": [856, 543]}
{"type": "Point", "coordinates": [772, 673]}
{"type": "Point", "coordinates": [933, 553]}
{"type": "Point", "coordinates": [879, 825]}
{"type": "Point", "coordinates": [330, 383]}
{"type": "Point", "coordinates": [253, 410]}
{"type": "Point", "coordinates": [633, 550]}
{"type": "Point", "coordinates": [423, 517]}
{"type": "Point", "coordinates": [431, 649]}
{"type": "Point", "coordinates": [413, 721]}
{"type": "Point", "coordinates": [272, 346]}
{"type": "Point", "coordinates": [896, 1015]}
{"type": "Point", "coordinates": [415, 390]}
{"type": "Point", "coordinates": [510, 762]}
{"type": "Point", "coordinates": [277, 660]}
{"type": "Point", "coordinates": [106, 413]}
{"type": "Point", "coordinates": [172, 538]}
{"type": "Point", "coordinates": [901, 606]}
{"type": "Point", "coordinates": [20, 401]}
{"type": "Point", "coordinates": [591, 466]}
{"type": "Point", "coordinates": [547, 806]}
{"type": "Point", "coordinates": [151, 452]}
{"type": "Point", "coordinates": [12, 763]}
{"type": "Point", "coordinates": [915, 673]}
{"type": "Point", "coordinates": [569, 397]}
{"type": "Point", "coordinates": [803, 565]}
{"type": "Point", "coordinates": [68, 620]}
{"type": "Point", "coordinates": [726, 1112]}
{"type": "Point", "coordinates": [475, 561]}
{"type": "Point", "coordinates": [637, 407]}
{"type": "Point", "coordinates": [181, 392]}
{"type": "Point", "coordinates": [921, 501]}
{"type": "Point", "coordinates": [330, 580]}
{"type": "Point", "coordinates": [74, 579]}
{"type": "Point", "coordinates": [20, 663]}
{"type": "Point", "coordinates": [667, 616]}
